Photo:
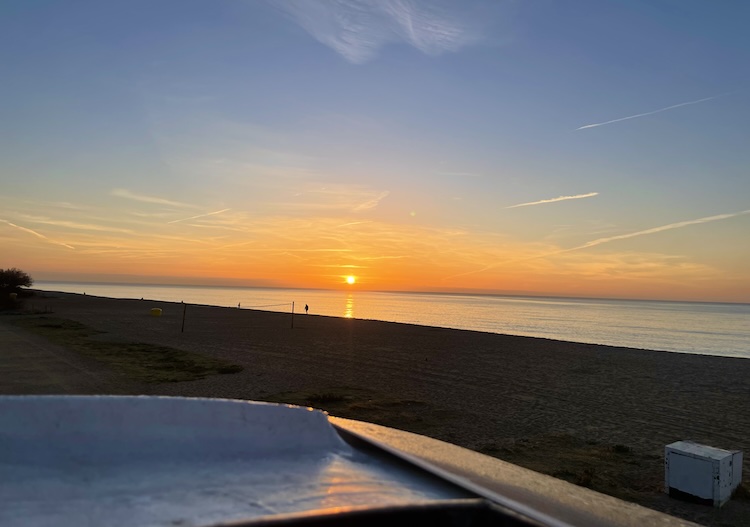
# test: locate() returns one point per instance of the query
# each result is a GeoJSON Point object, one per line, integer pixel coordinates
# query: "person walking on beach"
{"type": "Point", "coordinates": [306, 308]}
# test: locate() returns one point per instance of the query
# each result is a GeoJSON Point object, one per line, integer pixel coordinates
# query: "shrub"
{"type": "Point", "coordinates": [12, 280]}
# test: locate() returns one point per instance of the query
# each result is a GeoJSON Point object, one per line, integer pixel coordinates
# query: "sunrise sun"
{"type": "Point", "coordinates": [350, 279]}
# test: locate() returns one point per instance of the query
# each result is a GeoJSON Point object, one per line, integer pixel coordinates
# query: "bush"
{"type": "Point", "coordinates": [11, 282]}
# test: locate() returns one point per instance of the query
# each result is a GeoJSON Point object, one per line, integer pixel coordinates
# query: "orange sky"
{"type": "Point", "coordinates": [492, 147]}
{"type": "Point", "coordinates": [236, 248]}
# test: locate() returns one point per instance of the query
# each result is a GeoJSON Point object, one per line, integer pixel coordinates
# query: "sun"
{"type": "Point", "coordinates": [350, 279]}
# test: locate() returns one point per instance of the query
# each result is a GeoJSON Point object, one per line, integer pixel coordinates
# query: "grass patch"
{"type": "Point", "coordinates": [622, 449]}
{"type": "Point", "coordinates": [325, 398]}
{"type": "Point", "coordinates": [582, 478]}
{"type": "Point", "coordinates": [369, 406]}
{"type": "Point", "coordinates": [615, 469]}
{"type": "Point", "coordinates": [142, 362]}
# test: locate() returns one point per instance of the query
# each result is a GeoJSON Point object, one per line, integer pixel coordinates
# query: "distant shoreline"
{"type": "Point", "coordinates": [650, 325]}
{"type": "Point", "coordinates": [437, 293]}
{"type": "Point", "coordinates": [175, 303]}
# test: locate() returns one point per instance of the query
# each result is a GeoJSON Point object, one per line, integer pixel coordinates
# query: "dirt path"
{"type": "Point", "coordinates": [33, 365]}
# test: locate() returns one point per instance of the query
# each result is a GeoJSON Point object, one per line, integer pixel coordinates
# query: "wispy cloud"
{"type": "Point", "coordinates": [340, 266]}
{"type": "Point", "coordinates": [371, 203]}
{"type": "Point", "coordinates": [366, 258]}
{"type": "Point", "coordinates": [553, 200]}
{"type": "Point", "coordinates": [24, 229]}
{"type": "Point", "coordinates": [124, 193]}
{"type": "Point", "coordinates": [150, 215]}
{"type": "Point", "coordinates": [353, 223]}
{"type": "Point", "coordinates": [600, 241]}
{"type": "Point", "coordinates": [594, 125]}
{"type": "Point", "coordinates": [654, 230]}
{"type": "Point", "coordinates": [74, 225]}
{"type": "Point", "coordinates": [200, 216]}
{"type": "Point", "coordinates": [69, 206]}
{"type": "Point", "coordinates": [38, 235]}
{"type": "Point", "coordinates": [334, 197]}
{"type": "Point", "coordinates": [357, 29]}
{"type": "Point", "coordinates": [459, 174]}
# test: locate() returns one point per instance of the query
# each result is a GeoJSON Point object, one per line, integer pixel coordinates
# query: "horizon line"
{"type": "Point", "coordinates": [469, 292]}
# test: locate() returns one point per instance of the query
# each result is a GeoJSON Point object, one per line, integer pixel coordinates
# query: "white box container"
{"type": "Point", "coordinates": [702, 473]}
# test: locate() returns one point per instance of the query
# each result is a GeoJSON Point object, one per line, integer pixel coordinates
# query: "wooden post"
{"type": "Point", "coordinates": [292, 315]}
{"type": "Point", "coordinates": [184, 310]}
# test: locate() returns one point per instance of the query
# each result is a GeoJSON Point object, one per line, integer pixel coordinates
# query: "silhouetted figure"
{"type": "Point", "coordinates": [306, 308]}
{"type": "Point", "coordinates": [238, 305]}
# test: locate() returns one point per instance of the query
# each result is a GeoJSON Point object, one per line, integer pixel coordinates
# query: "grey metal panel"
{"type": "Point", "coordinates": [510, 484]}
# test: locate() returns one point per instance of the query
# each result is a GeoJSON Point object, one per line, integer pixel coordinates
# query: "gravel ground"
{"type": "Point", "coordinates": [483, 391]}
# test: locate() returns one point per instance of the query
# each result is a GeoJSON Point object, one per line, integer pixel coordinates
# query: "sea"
{"type": "Point", "coordinates": [683, 327]}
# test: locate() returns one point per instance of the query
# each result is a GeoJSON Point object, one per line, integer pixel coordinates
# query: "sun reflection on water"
{"type": "Point", "coordinates": [349, 308]}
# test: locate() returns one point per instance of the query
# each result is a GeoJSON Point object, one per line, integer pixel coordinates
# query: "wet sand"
{"type": "Point", "coordinates": [596, 415]}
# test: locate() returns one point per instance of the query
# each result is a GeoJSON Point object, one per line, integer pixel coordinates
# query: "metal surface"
{"type": "Point", "coordinates": [537, 495]}
{"type": "Point", "coordinates": [158, 461]}
{"type": "Point", "coordinates": [702, 472]}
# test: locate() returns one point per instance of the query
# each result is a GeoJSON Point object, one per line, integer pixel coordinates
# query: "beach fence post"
{"type": "Point", "coordinates": [292, 315]}
{"type": "Point", "coordinates": [184, 310]}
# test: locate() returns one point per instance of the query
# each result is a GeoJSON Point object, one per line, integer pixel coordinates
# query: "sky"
{"type": "Point", "coordinates": [593, 148]}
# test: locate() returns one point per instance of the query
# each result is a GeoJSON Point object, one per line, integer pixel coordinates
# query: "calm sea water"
{"type": "Point", "coordinates": [687, 327]}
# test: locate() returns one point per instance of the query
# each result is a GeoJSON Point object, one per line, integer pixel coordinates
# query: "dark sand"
{"type": "Point", "coordinates": [595, 415]}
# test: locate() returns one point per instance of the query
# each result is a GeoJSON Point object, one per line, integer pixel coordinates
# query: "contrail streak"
{"type": "Point", "coordinates": [24, 229]}
{"type": "Point", "coordinates": [601, 241]}
{"type": "Point", "coordinates": [124, 193]}
{"type": "Point", "coordinates": [372, 203]}
{"type": "Point", "coordinates": [42, 236]}
{"type": "Point", "coordinates": [352, 223]}
{"type": "Point", "coordinates": [199, 216]}
{"type": "Point", "coordinates": [594, 125]}
{"type": "Point", "coordinates": [561, 198]}
{"type": "Point", "coordinates": [671, 226]}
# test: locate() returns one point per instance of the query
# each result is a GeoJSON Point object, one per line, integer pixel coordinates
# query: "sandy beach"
{"type": "Point", "coordinates": [595, 415]}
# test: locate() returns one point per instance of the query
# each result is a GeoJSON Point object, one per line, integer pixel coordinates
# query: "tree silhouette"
{"type": "Point", "coordinates": [12, 280]}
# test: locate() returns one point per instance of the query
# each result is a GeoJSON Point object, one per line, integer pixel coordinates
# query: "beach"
{"type": "Point", "coordinates": [596, 415]}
